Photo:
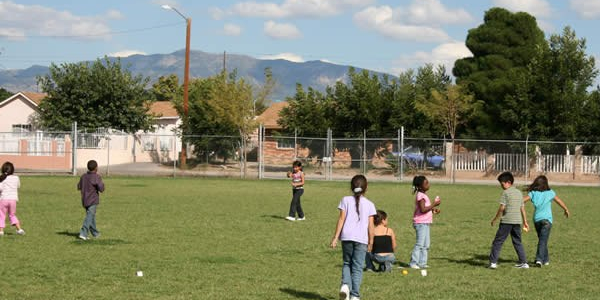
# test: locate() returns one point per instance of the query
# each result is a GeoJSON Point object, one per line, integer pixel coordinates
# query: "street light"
{"type": "Point", "coordinates": [186, 80]}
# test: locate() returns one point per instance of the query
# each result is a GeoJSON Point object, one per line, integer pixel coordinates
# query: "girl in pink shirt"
{"type": "Point", "coordinates": [9, 186]}
{"type": "Point", "coordinates": [422, 219]}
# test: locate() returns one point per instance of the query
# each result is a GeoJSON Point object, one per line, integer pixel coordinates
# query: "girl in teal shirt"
{"type": "Point", "coordinates": [541, 197]}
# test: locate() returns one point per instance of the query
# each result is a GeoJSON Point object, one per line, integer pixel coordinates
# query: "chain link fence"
{"type": "Point", "coordinates": [267, 154]}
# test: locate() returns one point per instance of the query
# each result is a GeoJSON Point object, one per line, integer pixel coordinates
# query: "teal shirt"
{"type": "Point", "coordinates": [542, 201]}
{"type": "Point", "coordinates": [512, 199]}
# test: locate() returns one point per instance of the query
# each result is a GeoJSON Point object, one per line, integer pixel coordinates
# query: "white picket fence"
{"type": "Point", "coordinates": [470, 161]}
{"type": "Point", "coordinates": [590, 164]}
{"type": "Point", "coordinates": [548, 163]}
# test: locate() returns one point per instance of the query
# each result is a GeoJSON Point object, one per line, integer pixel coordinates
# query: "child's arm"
{"type": "Point", "coordinates": [526, 198]}
{"type": "Point", "coordinates": [498, 214]}
{"type": "Point", "coordinates": [425, 208]}
{"type": "Point", "coordinates": [100, 184]}
{"type": "Point", "coordinates": [338, 228]}
{"type": "Point", "coordinates": [562, 205]}
{"type": "Point", "coordinates": [393, 235]}
{"type": "Point", "coordinates": [524, 216]}
{"type": "Point", "coordinates": [371, 233]}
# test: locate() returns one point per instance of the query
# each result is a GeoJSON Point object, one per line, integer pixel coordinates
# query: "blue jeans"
{"type": "Point", "coordinates": [353, 254]}
{"type": "Point", "coordinates": [515, 233]}
{"type": "Point", "coordinates": [543, 229]}
{"type": "Point", "coordinates": [89, 223]}
{"type": "Point", "coordinates": [385, 261]}
{"type": "Point", "coordinates": [419, 253]}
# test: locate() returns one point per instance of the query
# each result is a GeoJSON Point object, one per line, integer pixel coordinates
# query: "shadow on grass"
{"type": "Point", "coordinates": [303, 294]}
{"type": "Point", "coordinates": [73, 234]}
{"type": "Point", "coordinates": [478, 260]}
{"type": "Point", "coordinates": [274, 217]}
{"type": "Point", "coordinates": [101, 242]}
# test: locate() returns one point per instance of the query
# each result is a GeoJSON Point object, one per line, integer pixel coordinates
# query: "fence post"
{"type": "Point", "coordinates": [295, 143]}
{"type": "Point", "coordinates": [364, 154]}
{"type": "Point", "coordinates": [527, 158]}
{"type": "Point", "coordinates": [401, 153]}
{"type": "Point", "coordinates": [74, 150]}
{"type": "Point", "coordinates": [329, 153]}
{"type": "Point", "coordinates": [107, 154]}
{"type": "Point", "coordinates": [174, 154]}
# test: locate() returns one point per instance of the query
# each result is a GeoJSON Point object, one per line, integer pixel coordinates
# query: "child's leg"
{"type": "Point", "coordinates": [501, 235]}
{"type": "Point", "coordinates": [425, 250]}
{"type": "Point", "coordinates": [299, 194]}
{"type": "Point", "coordinates": [347, 252]}
{"type": "Point", "coordinates": [515, 234]}
{"type": "Point", "coordinates": [543, 229]}
{"type": "Point", "coordinates": [3, 210]}
{"type": "Point", "coordinates": [93, 229]}
{"type": "Point", "coordinates": [416, 256]}
{"type": "Point", "coordinates": [369, 261]}
{"type": "Point", "coordinates": [90, 213]}
{"type": "Point", "coordinates": [358, 255]}
{"type": "Point", "coordinates": [293, 204]}
{"type": "Point", "coordinates": [12, 214]}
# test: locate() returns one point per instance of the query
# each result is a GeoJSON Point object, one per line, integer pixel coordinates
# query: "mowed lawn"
{"type": "Point", "coordinates": [199, 238]}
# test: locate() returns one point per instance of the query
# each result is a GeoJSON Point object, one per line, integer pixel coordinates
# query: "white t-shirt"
{"type": "Point", "coordinates": [9, 188]}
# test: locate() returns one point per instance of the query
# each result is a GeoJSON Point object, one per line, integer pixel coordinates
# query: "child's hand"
{"type": "Point", "coordinates": [333, 243]}
{"type": "Point", "coordinates": [567, 213]}
{"type": "Point", "coordinates": [526, 227]}
{"type": "Point", "coordinates": [436, 211]}
{"type": "Point", "coordinates": [289, 174]}
{"type": "Point", "coordinates": [493, 221]}
{"type": "Point", "coordinates": [437, 201]}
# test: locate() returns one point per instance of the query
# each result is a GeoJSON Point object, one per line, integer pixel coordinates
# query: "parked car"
{"type": "Point", "coordinates": [416, 158]}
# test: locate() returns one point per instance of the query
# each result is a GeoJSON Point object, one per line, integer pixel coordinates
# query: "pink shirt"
{"type": "Point", "coordinates": [418, 216]}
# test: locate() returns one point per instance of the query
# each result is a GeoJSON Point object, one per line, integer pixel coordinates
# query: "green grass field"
{"type": "Point", "coordinates": [198, 238]}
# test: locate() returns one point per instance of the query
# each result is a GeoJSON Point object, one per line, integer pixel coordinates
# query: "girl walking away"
{"type": "Point", "coordinates": [422, 219]}
{"type": "Point", "coordinates": [355, 229]}
{"type": "Point", "coordinates": [384, 244]}
{"type": "Point", "coordinates": [297, 191]}
{"type": "Point", "coordinates": [542, 196]}
{"type": "Point", "coordinates": [9, 189]}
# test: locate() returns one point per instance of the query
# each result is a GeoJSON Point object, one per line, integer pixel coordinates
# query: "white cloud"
{"type": "Point", "coordinates": [286, 55]}
{"type": "Point", "coordinates": [14, 34]}
{"type": "Point", "coordinates": [427, 12]}
{"type": "Point", "coordinates": [232, 29]}
{"type": "Point", "coordinates": [43, 21]}
{"type": "Point", "coordinates": [381, 19]}
{"type": "Point", "coordinates": [445, 54]}
{"type": "Point", "coordinates": [281, 30]}
{"type": "Point", "coordinates": [289, 9]}
{"type": "Point", "coordinates": [587, 9]}
{"type": "Point", "coordinates": [537, 8]}
{"type": "Point", "coordinates": [125, 53]}
{"type": "Point", "coordinates": [114, 15]}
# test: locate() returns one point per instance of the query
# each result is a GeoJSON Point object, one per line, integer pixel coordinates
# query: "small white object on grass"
{"type": "Point", "coordinates": [140, 273]}
{"type": "Point", "coordinates": [423, 272]}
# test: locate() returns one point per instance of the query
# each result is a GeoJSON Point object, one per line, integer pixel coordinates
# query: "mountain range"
{"type": "Point", "coordinates": [315, 74]}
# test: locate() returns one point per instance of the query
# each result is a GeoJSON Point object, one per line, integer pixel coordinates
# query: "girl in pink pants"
{"type": "Point", "coordinates": [9, 195]}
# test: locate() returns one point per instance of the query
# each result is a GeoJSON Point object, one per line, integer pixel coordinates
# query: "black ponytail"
{"type": "Point", "coordinates": [417, 183]}
{"type": "Point", "coordinates": [7, 169]}
{"type": "Point", "coordinates": [358, 185]}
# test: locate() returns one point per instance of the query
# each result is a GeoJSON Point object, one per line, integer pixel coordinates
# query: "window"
{"type": "Point", "coordinates": [285, 143]}
{"type": "Point", "coordinates": [21, 128]}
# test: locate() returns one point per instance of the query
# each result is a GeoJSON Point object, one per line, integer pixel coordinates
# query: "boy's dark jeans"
{"type": "Point", "coordinates": [503, 231]}
{"type": "Point", "coordinates": [543, 229]}
{"type": "Point", "coordinates": [295, 206]}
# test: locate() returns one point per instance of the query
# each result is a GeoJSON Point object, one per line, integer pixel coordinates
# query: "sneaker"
{"type": "Point", "coordinates": [493, 266]}
{"type": "Point", "coordinates": [415, 267]}
{"type": "Point", "coordinates": [301, 219]}
{"type": "Point", "coordinates": [546, 263]}
{"type": "Point", "coordinates": [538, 263]}
{"type": "Point", "coordinates": [354, 298]}
{"type": "Point", "coordinates": [344, 292]}
{"type": "Point", "coordinates": [1, 233]}
{"type": "Point", "coordinates": [21, 232]}
{"type": "Point", "coordinates": [85, 238]}
{"type": "Point", "coordinates": [522, 266]}
{"type": "Point", "coordinates": [290, 218]}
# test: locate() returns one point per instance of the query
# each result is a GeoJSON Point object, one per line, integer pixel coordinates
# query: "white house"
{"type": "Point", "coordinates": [17, 111]}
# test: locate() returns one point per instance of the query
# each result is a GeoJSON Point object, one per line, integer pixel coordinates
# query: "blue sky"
{"type": "Point", "coordinates": [382, 35]}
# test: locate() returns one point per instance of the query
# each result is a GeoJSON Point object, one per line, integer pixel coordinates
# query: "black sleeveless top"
{"type": "Point", "coordinates": [382, 244]}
